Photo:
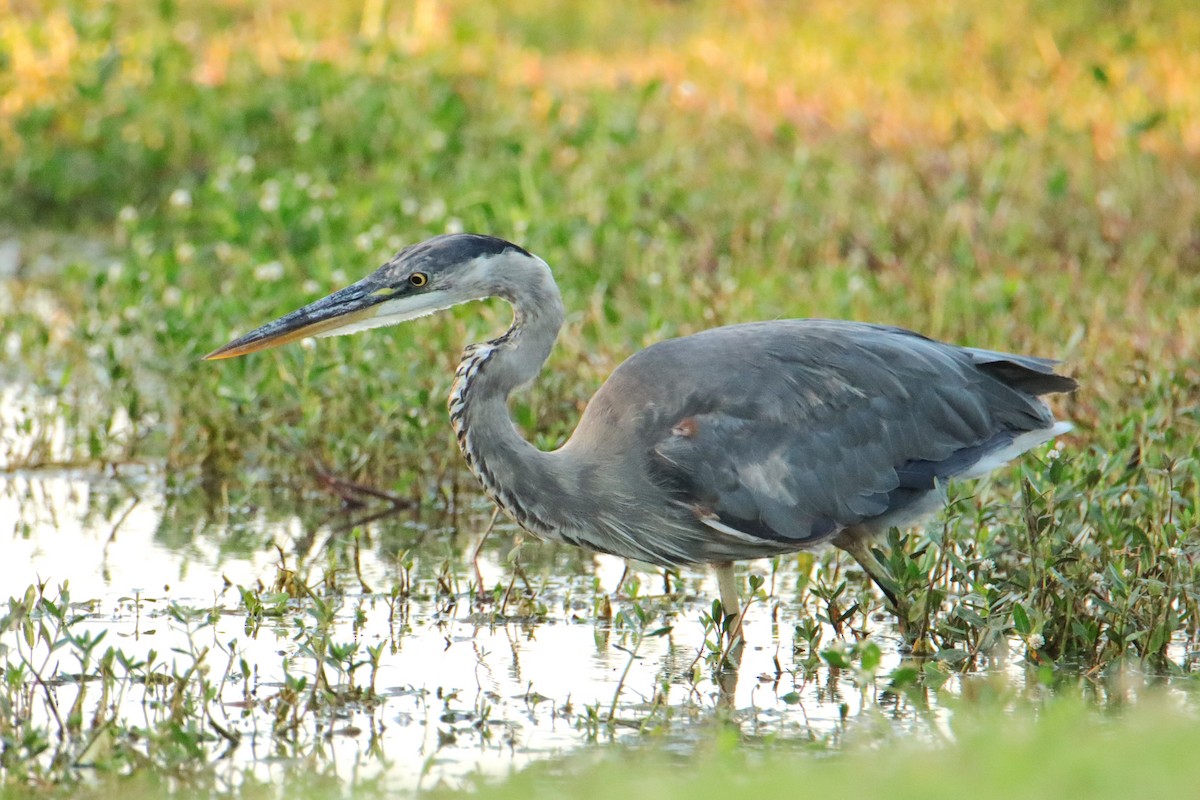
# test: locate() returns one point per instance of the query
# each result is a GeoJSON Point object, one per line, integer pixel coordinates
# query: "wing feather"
{"type": "Point", "coordinates": [794, 430]}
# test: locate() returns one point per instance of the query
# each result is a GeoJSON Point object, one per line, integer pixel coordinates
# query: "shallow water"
{"type": "Point", "coordinates": [466, 688]}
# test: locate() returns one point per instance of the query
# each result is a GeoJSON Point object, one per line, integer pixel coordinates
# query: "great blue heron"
{"type": "Point", "coordinates": [734, 443]}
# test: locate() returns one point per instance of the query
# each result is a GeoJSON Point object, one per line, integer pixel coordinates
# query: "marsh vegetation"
{"type": "Point", "coordinates": [202, 603]}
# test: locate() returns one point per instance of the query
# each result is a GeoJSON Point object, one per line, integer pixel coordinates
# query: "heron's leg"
{"type": "Point", "coordinates": [479, 589]}
{"type": "Point", "coordinates": [621, 583]}
{"type": "Point", "coordinates": [730, 604]}
{"type": "Point", "coordinates": [857, 546]}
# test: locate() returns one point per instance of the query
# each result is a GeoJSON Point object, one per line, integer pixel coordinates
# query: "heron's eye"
{"type": "Point", "coordinates": [418, 279]}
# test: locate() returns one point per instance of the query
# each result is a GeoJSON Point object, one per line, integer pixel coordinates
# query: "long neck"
{"type": "Point", "coordinates": [518, 476]}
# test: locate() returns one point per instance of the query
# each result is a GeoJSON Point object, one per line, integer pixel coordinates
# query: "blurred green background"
{"type": "Point", "coordinates": [1020, 177]}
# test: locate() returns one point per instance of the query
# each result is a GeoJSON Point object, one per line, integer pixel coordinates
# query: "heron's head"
{"type": "Point", "coordinates": [433, 275]}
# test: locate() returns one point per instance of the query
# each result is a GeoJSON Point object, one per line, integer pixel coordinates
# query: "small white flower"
{"type": "Point", "coordinates": [270, 271]}
{"type": "Point", "coordinates": [128, 214]}
{"type": "Point", "coordinates": [245, 164]}
{"type": "Point", "coordinates": [321, 191]}
{"type": "Point", "coordinates": [1035, 641]}
{"type": "Point", "coordinates": [435, 210]}
{"type": "Point", "coordinates": [269, 201]}
{"type": "Point", "coordinates": [316, 214]}
{"type": "Point", "coordinates": [987, 565]}
{"type": "Point", "coordinates": [185, 252]}
{"type": "Point", "coordinates": [409, 206]}
{"type": "Point", "coordinates": [172, 296]}
{"type": "Point", "coordinates": [115, 270]}
{"type": "Point", "coordinates": [364, 242]}
{"type": "Point", "coordinates": [338, 277]}
{"type": "Point", "coordinates": [223, 251]}
{"type": "Point", "coordinates": [310, 286]}
{"type": "Point", "coordinates": [180, 198]}
{"type": "Point", "coordinates": [454, 225]}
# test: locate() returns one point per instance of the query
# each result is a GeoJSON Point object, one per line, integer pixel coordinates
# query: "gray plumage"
{"type": "Point", "coordinates": [733, 443]}
{"type": "Point", "coordinates": [769, 437]}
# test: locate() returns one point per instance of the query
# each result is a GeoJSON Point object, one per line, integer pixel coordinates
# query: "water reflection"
{"type": "Point", "coordinates": [469, 679]}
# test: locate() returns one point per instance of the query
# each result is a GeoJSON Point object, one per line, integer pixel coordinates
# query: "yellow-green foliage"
{"type": "Point", "coordinates": [1018, 176]}
{"type": "Point", "coordinates": [1064, 751]}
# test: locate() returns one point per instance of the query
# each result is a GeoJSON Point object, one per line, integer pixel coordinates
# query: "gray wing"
{"type": "Point", "coordinates": [791, 431]}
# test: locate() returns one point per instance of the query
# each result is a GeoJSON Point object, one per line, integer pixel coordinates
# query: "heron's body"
{"type": "Point", "coordinates": [734, 443]}
{"type": "Point", "coordinates": [798, 431]}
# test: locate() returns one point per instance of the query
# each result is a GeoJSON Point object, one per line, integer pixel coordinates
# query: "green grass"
{"type": "Point", "coordinates": [1020, 178]}
{"type": "Point", "coordinates": [1061, 750]}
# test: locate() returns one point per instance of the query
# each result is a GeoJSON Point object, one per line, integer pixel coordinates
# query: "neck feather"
{"type": "Point", "coordinates": [514, 473]}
